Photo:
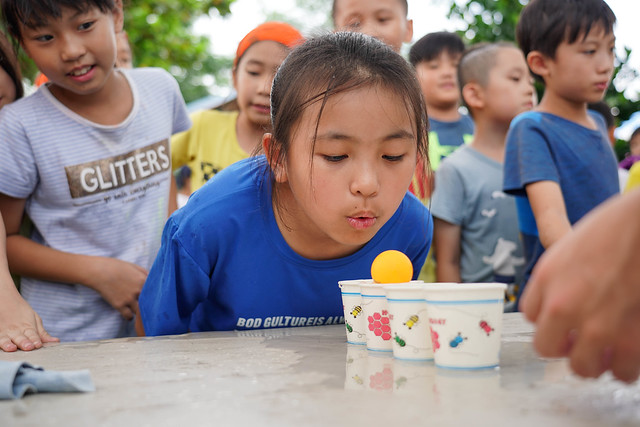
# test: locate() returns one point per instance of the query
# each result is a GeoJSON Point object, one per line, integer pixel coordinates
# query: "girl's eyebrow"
{"type": "Point", "coordinates": [339, 136]}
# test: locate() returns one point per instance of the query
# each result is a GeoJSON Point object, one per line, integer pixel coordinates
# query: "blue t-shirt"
{"type": "Point", "coordinates": [224, 264]}
{"type": "Point", "coordinates": [546, 147]}
{"type": "Point", "coordinates": [446, 137]}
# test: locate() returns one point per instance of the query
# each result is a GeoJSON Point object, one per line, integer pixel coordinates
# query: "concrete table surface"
{"type": "Point", "coordinates": [311, 376]}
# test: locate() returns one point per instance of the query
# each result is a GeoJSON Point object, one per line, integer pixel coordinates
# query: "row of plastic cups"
{"type": "Point", "coordinates": [458, 325]}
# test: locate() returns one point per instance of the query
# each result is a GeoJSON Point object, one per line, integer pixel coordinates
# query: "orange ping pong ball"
{"type": "Point", "coordinates": [391, 267]}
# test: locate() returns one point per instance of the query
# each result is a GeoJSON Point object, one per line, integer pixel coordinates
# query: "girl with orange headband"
{"type": "Point", "coordinates": [220, 138]}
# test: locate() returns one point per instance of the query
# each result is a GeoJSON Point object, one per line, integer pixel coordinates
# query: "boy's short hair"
{"type": "Point", "coordinates": [404, 4]}
{"type": "Point", "coordinates": [544, 24]}
{"type": "Point", "coordinates": [35, 13]}
{"type": "Point", "coordinates": [430, 46]}
{"type": "Point", "coordinates": [477, 62]}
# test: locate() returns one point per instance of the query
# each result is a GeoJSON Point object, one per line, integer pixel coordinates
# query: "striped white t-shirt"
{"type": "Point", "coordinates": [91, 189]}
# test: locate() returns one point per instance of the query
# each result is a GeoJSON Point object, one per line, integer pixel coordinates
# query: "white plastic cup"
{"type": "Point", "coordinates": [376, 311]}
{"type": "Point", "coordinates": [376, 317]}
{"type": "Point", "coordinates": [354, 318]}
{"type": "Point", "coordinates": [465, 320]}
{"type": "Point", "coordinates": [409, 321]}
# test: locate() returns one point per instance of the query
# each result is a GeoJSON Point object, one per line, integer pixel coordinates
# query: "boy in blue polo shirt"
{"type": "Point", "coordinates": [558, 158]}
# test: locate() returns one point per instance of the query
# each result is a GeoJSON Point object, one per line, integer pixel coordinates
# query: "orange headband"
{"type": "Point", "coordinates": [279, 32]}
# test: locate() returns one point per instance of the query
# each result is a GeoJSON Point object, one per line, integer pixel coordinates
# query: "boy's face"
{"type": "Point", "coordinates": [253, 77]}
{"type": "Point", "coordinates": [439, 80]}
{"type": "Point", "coordinates": [581, 71]}
{"type": "Point", "coordinates": [509, 90]}
{"type": "Point", "coordinates": [77, 51]}
{"type": "Point", "coordinates": [385, 20]}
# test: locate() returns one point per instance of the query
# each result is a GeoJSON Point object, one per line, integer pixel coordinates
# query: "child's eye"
{"type": "Point", "coordinates": [253, 73]}
{"type": "Point", "coordinates": [44, 38]}
{"type": "Point", "coordinates": [589, 52]}
{"type": "Point", "coordinates": [86, 25]}
{"type": "Point", "coordinates": [334, 159]}
{"type": "Point", "coordinates": [393, 158]}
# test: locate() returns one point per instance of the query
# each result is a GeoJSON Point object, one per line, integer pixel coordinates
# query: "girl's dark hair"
{"type": "Point", "coordinates": [335, 63]}
{"type": "Point", "coordinates": [431, 45]}
{"type": "Point", "coordinates": [544, 24]}
{"type": "Point", "coordinates": [35, 13]}
{"type": "Point", "coordinates": [9, 63]}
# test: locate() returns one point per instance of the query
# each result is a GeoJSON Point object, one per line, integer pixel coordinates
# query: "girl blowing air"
{"type": "Point", "coordinates": [266, 241]}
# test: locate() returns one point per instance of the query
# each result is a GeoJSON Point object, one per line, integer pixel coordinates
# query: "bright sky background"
{"type": "Point", "coordinates": [427, 15]}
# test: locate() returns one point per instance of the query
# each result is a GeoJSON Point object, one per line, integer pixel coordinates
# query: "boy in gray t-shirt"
{"type": "Point", "coordinates": [476, 228]}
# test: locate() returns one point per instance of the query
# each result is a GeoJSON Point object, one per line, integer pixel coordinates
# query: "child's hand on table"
{"type": "Point", "coordinates": [20, 326]}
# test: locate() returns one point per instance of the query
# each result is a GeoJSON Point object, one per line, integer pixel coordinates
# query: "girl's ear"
{"type": "Point", "coordinates": [473, 95]}
{"type": "Point", "coordinates": [538, 63]}
{"type": "Point", "coordinates": [279, 171]}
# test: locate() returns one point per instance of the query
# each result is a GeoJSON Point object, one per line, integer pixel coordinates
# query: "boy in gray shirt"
{"type": "Point", "coordinates": [476, 233]}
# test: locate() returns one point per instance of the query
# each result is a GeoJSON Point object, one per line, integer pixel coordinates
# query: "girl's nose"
{"type": "Point", "coordinates": [365, 181]}
{"type": "Point", "coordinates": [265, 86]}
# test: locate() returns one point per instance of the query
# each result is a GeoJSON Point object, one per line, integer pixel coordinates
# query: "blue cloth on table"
{"type": "Point", "coordinates": [18, 378]}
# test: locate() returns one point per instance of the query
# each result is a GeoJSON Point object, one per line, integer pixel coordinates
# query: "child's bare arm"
{"type": "Point", "coordinates": [446, 239]}
{"type": "Point", "coordinates": [118, 282]}
{"type": "Point", "coordinates": [173, 196]}
{"type": "Point", "coordinates": [20, 326]}
{"type": "Point", "coordinates": [549, 211]}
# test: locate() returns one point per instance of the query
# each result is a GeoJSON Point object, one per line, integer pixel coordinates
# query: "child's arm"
{"type": "Point", "coordinates": [584, 293]}
{"type": "Point", "coordinates": [549, 210]}
{"type": "Point", "coordinates": [446, 239]}
{"type": "Point", "coordinates": [173, 196]}
{"type": "Point", "coordinates": [20, 326]}
{"type": "Point", "coordinates": [118, 282]}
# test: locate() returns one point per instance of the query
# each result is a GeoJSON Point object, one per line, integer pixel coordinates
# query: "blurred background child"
{"type": "Point", "coordinates": [476, 233]}
{"type": "Point", "coordinates": [559, 157]}
{"type": "Point", "coordinates": [220, 138]}
{"type": "Point", "coordinates": [183, 184]}
{"type": "Point", "coordinates": [349, 126]}
{"type": "Point", "coordinates": [10, 77]}
{"type": "Point", "coordinates": [435, 58]}
{"type": "Point", "coordinates": [386, 20]}
{"type": "Point", "coordinates": [124, 56]}
{"type": "Point", "coordinates": [634, 151]}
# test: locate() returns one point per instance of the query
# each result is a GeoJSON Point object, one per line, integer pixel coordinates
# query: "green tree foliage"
{"type": "Point", "coordinates": [494, 20]}
{"type": "Point", "coordinates": [160, 34]}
